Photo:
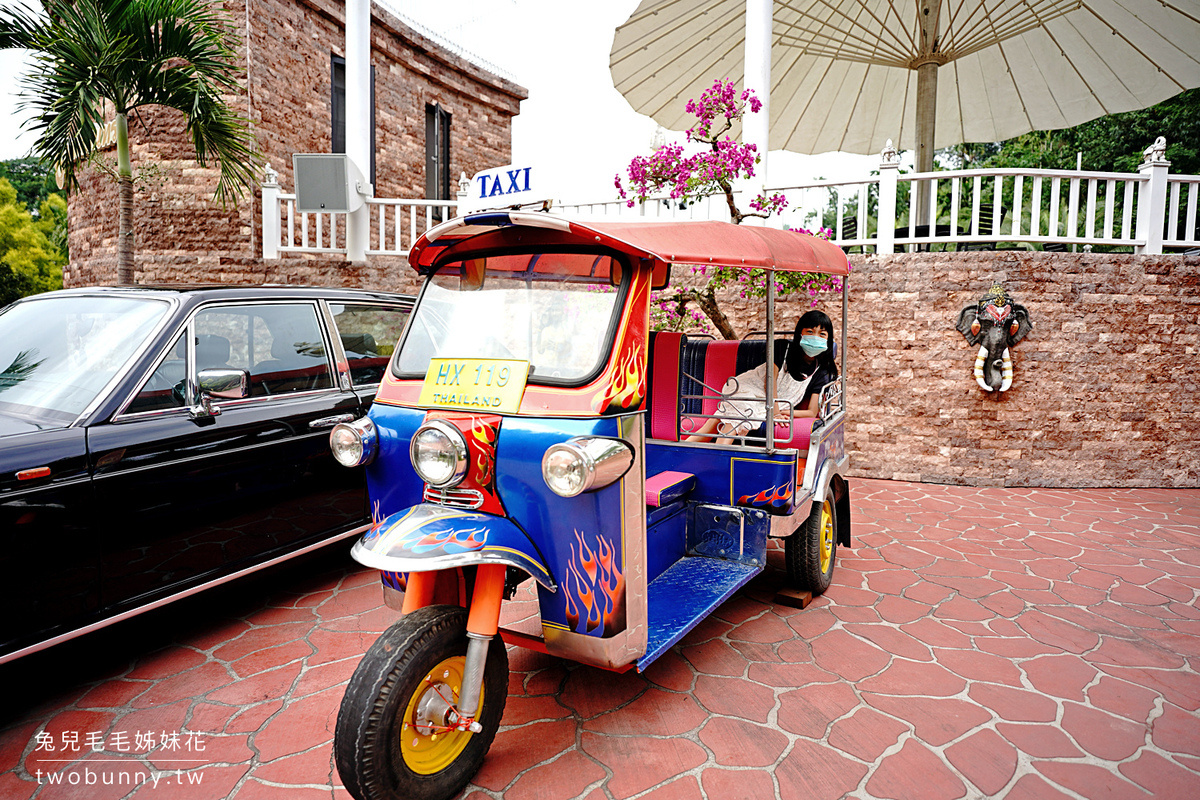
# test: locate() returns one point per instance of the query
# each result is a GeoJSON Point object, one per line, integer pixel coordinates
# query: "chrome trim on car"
{"type": "Point", "coordinates": [133, 612]}
{"type": "Point", "coordinates": [329, 422]}
{"type": "Point", "coordinates": [454, 498]}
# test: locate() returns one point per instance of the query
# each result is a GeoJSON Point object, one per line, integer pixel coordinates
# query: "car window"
{"type": "Point", "coordinates": [280, 345]}
{"type": "Point", "coordinates": [369, 335]}
{"type": "Point", "coordinates": [165, 387]}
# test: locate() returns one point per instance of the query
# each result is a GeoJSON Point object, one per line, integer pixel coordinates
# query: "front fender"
{"type": "Point", "coordinates": [428, 537]}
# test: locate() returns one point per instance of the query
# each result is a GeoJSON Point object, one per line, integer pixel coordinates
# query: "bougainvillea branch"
{"type": "Point", "coordinates": [710, 171]}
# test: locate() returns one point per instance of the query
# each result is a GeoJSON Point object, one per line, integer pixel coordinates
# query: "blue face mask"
{"type": "Point", "coordinates": [813, 345]}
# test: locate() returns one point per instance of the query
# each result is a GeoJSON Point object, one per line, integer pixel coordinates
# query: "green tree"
{"type": "Point", "coordinates": [1109, 144]}
{"type": "Point", "coordinates": [29, 262]}
{"type": "Point", "coordinates": [31, 178]}
{"type": "Point", "coordinates": [93, 56]}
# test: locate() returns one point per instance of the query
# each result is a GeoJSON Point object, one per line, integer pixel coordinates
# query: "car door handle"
{"type": "Point", "coordinates": [329, 422]}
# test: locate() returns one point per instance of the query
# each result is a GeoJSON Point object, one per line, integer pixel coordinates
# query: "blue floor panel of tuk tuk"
{"type": "Point", "coordinates": [685, 594]}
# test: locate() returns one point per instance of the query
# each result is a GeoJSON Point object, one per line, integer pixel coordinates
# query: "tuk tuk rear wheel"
{"type": "Point", "coordinates": [811, 551]}
{"type": "Point", "coordinates": [386, 745]}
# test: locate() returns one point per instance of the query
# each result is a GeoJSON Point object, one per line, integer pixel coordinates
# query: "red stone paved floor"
{"type": "Point", "coordinates": [1018, 643]}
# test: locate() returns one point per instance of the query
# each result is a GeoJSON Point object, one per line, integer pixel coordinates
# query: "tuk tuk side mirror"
{"type": "Point", "coordinates": [474, 270]}
{"type": "Point", "coordinates": [227, 384]}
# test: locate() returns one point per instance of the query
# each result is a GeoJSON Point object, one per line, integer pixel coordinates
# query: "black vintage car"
{"type": "Point", "coordinates": [158, 441]}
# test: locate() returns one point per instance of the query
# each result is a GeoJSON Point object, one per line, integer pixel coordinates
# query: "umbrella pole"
{"type": "Point", "coordinates": [926, 114]}
{"type": "Point", "coordinates": [927, 68]}
{"type": "Point", "coordinates": [757, 77]}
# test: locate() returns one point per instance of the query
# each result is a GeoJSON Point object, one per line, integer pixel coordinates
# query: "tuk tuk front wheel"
{"type": "Point", "coordinates": [810, 552]}
{"type": "Point", "coordinates": [391, 740]}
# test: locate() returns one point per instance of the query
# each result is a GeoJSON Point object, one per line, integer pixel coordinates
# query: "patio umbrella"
{"type": "Point", "coordinates": [849, 75]}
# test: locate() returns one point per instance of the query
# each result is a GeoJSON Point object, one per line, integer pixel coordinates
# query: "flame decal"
{"type": "Point", "coordinates": [376, 523]}
{"type": "Point", "coordinates": [775, 496]}
{"type": "Point", "coordinates": [450, 540]}
{"type": "Point", "coordinates": [595, 588]}
{"type": "Point", "coordinates": [483, 437]}
{"type": "Point", "coordinates": [627, 385]}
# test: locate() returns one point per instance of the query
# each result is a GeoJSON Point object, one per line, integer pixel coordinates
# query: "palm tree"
{"type": "Point", "coordinates": [93, 55]}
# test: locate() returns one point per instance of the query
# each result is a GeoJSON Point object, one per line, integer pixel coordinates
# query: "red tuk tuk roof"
{"type": "Point", "coordinates": [720, 244]}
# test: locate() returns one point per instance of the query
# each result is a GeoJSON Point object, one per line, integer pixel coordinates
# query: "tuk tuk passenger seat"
{"type": "Point", "coordinates": [708, 364]}
{"type": "Point", "coordinates": [662, 387]}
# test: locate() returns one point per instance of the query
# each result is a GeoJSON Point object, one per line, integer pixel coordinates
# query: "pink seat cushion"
{"type": "Point", "coordinates": [667, 487]}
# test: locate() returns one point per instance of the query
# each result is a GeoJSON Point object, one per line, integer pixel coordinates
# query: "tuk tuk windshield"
{"type": "Point", "coordinates": [555, 310]}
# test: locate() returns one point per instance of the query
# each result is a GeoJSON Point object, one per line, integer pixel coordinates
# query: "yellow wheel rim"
{"type": "Point", "coordinates": [426, 743]}
{"type": "Point", "coordinates": [826, 537]}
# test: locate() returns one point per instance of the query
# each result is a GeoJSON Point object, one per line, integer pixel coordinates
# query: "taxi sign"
{"type": "Point", "coordinates": [475, 384]}
{"type": "Point", "coordinates": [505, 187]}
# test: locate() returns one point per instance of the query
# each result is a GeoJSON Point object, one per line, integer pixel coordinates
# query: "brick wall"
{"type": "Point", "coordinates": [183, 235]}
{"type": "Point", "coordinates": [1105, 389]}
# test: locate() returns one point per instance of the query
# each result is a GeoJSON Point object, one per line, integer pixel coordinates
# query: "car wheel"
{"type": "Point", "coordinates": [810, 552]}
{"type": "Point", "coordinates": [389, 743]}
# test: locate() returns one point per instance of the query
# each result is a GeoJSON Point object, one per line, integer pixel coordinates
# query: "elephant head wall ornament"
{"type": "Point", "coordinates": [995, 324]}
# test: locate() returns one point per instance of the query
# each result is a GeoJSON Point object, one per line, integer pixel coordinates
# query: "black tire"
{"type": "Point", "coordinates": [371, 759]}
{"type": "Point", "coordinates": [810, 552]}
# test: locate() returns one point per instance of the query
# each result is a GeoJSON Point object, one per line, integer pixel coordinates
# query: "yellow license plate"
{"type": "Point", "coordinates": [475, 384]}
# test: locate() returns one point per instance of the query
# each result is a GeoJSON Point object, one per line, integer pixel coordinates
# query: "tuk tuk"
{"type": "Point", "coordinates": [532, 426]}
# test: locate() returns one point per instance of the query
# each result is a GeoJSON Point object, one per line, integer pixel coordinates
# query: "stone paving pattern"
{"type": "Point", "coordinates": [1015, 643]}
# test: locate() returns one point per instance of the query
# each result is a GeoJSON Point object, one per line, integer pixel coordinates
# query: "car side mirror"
{"type": "Point", "coordinates": [227, 384]}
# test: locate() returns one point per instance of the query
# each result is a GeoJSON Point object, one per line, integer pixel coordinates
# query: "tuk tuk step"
{"type": "Point", "coordinates": [685, 594]}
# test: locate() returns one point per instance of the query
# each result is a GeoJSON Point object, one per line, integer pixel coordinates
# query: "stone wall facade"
{"type": "Point", "coordinates": [183, 235]}
{"type": "Point", "coordinates": [1106, 388]}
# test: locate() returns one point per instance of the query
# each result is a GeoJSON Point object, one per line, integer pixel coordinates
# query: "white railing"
{"type": "Point", "coordinates": [394, 225]}
{"type": "Point", "coordinates": [973, 209]}
{"type": "Point", "coordinates": [654, 208]}
{"type": "Point", "coordinates": [302, 233]}
{"type": "Point", "coordinates": [970, 209]}
{"type": "Point", "coordinates": [1185, 234]}
{"type": "Point", "coordinates": [408, 220]}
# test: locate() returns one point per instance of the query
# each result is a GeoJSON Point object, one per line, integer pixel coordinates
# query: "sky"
{"type": "Point", "coordinates": [574, 125]}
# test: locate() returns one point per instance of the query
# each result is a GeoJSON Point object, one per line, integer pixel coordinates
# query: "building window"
{"type": "Point", "coordinates": [437, 154]}
{"type": "Point", "coordinates": [338, 111]}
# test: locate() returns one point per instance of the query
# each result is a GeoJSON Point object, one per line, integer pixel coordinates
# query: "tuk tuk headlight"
{"type": "Point", "coordinates": [584, 463]}
{"type": "Point", "coordinates": [354, 443]}
{"type": "Point", "coordinates": [439, 454]}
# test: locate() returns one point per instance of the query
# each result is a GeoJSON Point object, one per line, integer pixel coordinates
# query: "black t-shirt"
{"type": "Point", "coordinates": [820, 380]}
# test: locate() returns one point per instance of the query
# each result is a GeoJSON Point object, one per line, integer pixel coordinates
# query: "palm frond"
{"type": "Point", "coordinates": [130, 53]}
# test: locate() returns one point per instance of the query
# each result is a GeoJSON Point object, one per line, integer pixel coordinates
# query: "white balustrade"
{"type": "Point", "coordinates": [397, 224]}
{"type": "Point", "coordinates": [970, 209]}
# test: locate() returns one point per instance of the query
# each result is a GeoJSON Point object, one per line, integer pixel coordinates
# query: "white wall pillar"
{"type": "Point", "coordinates": [1152, 198]}
{"type": "Point", "coordinates": [270, 214]}
{"type": "Point", "coordinates": [358, 117]}
{"type": "Point", "coordinates": [756, 127]}
{"type": "Point", "coordinates": [885, 221]}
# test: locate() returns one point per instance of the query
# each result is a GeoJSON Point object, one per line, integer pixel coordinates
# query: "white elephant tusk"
{"type": "Point", "coordinates": [1008, 372]}
{"type": "Point", "coordinates": [979, 361]}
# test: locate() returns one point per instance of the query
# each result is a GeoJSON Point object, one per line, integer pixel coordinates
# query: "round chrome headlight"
{"type": "Point", "coordinates": [439, 454]}
{"type": "Point", "coordinates": [577, 465]}
{"type": "Point", "coordinates": [354, 443]}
